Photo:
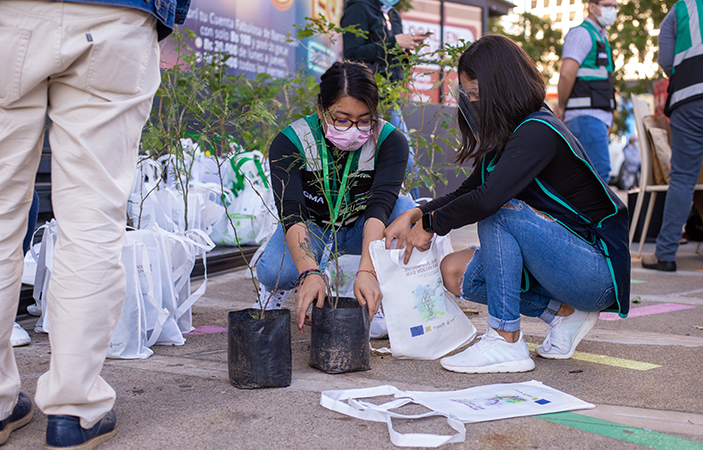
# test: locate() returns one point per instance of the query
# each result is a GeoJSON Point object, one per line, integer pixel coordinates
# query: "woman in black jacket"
{"type": "Point", "coordinates": [554, 237]}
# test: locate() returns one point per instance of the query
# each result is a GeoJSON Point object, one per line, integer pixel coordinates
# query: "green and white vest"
{"type": "Point", "coordinates": [594, 87]}
{"type": "Point", "coordinates": [320, 190]}
{"type": "Point", "coordinates": [686, 81]}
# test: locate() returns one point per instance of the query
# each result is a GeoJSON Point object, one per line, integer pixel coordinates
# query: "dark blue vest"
{"type": "Point", "coordinates": [610, 235]}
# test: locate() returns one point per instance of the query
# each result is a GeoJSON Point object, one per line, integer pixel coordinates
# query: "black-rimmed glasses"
{"type": "Point", "coordinates": [345, 124]}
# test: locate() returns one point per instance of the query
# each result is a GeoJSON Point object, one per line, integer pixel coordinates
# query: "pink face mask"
{"type": "Point", "coordinates": [349, 140]}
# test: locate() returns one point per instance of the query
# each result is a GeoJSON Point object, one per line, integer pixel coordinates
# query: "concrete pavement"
{"type": "Point", "coordinates": [644, 375]}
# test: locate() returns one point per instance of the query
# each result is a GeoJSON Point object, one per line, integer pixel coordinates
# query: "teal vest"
{"type": "Point", "coordinates": [594, 87]}
{"type": "Point", "coordinates": [609, 235]}
{"type": "Point", "coordinates": [686, 81]}
{"type": "Point", "coordinates": [308, 137]}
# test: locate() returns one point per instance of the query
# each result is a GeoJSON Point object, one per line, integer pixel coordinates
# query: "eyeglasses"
{"type": "Point", "coordinates": [345, 124]}
{"type": "Point", "coordinates": [617, 7]}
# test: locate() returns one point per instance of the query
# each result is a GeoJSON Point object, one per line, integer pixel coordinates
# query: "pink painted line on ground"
{"type": "Point", "coordinates": [206, 329]}
{"type": "Point", "coordinates": [647, 310]}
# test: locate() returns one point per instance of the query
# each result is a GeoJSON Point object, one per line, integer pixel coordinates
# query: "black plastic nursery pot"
{"type": "Point", "coordinates": [339, 342]}
{"type": "Point", "coordinates": [259, 350]}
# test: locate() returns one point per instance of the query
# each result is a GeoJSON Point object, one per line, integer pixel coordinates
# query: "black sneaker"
{"type": "Point", "coordinates": [64, 432]}
{"type": "Point", "coordinates": [652, 262]}
{"type": "Point", "coordinates": [20, 417]}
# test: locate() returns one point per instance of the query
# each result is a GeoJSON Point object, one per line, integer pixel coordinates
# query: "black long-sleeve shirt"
{"type": "Point", "coordinates": [534, 150]}
{"type": "Point", "coordinates": [297, 200]}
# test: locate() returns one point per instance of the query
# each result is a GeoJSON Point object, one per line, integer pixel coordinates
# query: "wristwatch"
{"type": "Point", "coordinates": [428, 222]}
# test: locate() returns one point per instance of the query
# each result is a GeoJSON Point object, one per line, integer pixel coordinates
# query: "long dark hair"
{"type": "Point", "coordinates": [510, 88]}
{"type": "Point", "coordinates": [351, 79]}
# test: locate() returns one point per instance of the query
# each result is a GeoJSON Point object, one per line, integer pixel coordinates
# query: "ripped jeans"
{"type": "Point", "coordinates": [567, 269]}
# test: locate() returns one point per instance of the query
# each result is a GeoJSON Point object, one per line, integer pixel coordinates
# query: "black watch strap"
{"type": "Point", "coordinates": [427, 222]}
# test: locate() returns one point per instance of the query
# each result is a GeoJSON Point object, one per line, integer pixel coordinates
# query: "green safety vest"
{"type": "Point", "coordinates": [686, 81]}
{"type": "Point", "coordinates": [594, 87]}
{"type": "Point", "coordinates": [327, 198]}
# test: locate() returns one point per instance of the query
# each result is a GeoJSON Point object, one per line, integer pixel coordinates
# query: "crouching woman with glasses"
{"type": "Point", "coordinates": [554, 237]}
{"type": "Point", "coordinates": [336, 171]}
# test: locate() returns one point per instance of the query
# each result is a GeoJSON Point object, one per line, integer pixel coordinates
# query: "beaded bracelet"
{"type": "Point", "coordinates": [372, 272]}
{"type": "Point", "coordinates": [304, 274]}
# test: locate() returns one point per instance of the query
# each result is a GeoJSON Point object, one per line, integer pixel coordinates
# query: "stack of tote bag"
{"type": "Point", "coordinates": [158, 303]}
{"type": "Point", "coordinates": [423, 320]}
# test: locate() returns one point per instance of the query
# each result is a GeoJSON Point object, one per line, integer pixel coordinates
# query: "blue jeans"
{"type": "Point", "coordinates": [349, 242]}
{"type": "Point", "coordinates": [567, 269]}
{"type": "Point", "coordinates": [593, 136]}
{"type": "Point", "coordinates": [686, 155]}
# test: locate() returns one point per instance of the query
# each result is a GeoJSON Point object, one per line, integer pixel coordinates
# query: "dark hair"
{"type": "Point", "coordinates": [351, 79]}
{"type": "Point", "coordinates": [510, 88]}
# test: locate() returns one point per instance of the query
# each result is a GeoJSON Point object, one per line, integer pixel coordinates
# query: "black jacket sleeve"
{"type": "Point", "coordinates": [524, 158]}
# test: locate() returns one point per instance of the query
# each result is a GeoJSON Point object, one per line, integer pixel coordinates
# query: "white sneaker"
{"type": "Point", "coordinates": [491, 354]}
{"type": "Point", "coordinates": [270, 300]}
{"type": "Point", "coordinates": [34, 310]}
{"type": "Point", "coordinates": [379, 328]}
{"type": "Point", "coordinates": [565, 333]}
{"type": "Point", "coordinates": [20, 337]}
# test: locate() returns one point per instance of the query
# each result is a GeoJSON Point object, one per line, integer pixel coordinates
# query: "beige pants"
{"type": "Point", "coordinates": [94, 71]}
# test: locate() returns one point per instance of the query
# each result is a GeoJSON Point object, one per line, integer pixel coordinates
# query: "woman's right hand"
{"type": "Point", "coordinates": [400, 227]}
{"type": "Point", "coordinates": [311, 289]}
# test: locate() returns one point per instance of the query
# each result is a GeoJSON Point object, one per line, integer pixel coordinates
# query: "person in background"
{"type": "Point", "coordinates": [364, 159]}
{"type": "Point", "coordinates": [586, 88]}
{"type": "Point", "coordinates": [385, 29]}
{"type": "Point", "coordinates": [554, 237]}
{"type": "Point", "coordinates": [681, 58]}
{"type": "Point", "coordinates": [628, 177]}
{"type": "Point", "coordinates": [96, 83]}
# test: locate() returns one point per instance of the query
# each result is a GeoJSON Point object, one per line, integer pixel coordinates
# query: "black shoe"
{"type": "Point", "coordinates": [652, 262]}
{"type": "Point", "coordinates": [20, 417]}
{"type": "Point", "coordinates": [64, 432]}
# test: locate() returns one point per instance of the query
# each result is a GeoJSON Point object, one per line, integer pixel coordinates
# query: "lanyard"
{"type": "Point", "coordinates": [326, 178]}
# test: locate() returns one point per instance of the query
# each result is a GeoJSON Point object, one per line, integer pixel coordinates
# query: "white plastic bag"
{"type": "Point", "coordinates": [477, 404]}
{"type": "Point", "coordinates": [185, 250]}
{"type": "Point", "coordinates": [45, 264]}
{"type": "Point", "coordinates": [159, 254]}
{"type": "Point", "coordinates": [423, 320]}
{"type": "Point", "coordinates": [347, 268]}
{"type": "Point", "coordinates": [129, 338]}
{"type": "Point", "coordinates": [172, 257]}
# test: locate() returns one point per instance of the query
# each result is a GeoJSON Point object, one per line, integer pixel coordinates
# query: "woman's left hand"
{"type": "Point", "coordinates": [367, 291]}
{"type": "Point", "coordinates": [419, 239]}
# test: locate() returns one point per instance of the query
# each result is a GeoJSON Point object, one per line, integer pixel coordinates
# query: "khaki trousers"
{"type": "Point", "coordinates": [94, 71]}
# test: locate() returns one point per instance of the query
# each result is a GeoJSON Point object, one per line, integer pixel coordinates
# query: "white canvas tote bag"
{"type": "Point", "coordinates": [477, 404]}
{"type": "Point", "coordinates": [423, 320]}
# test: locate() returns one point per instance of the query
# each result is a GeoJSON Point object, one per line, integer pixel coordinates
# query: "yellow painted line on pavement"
{"type": "Point", "coordinates": [608, 360]}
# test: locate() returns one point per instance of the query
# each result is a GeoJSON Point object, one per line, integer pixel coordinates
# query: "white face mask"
{"type": "Point", "coordinates": [608, 14]}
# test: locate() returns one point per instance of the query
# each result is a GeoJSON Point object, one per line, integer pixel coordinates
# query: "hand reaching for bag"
{"type": "Point", "coordinates": [419, 239]}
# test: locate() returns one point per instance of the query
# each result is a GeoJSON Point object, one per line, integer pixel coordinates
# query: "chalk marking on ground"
{"type": "Point", "coordinates": [629, 337]}
{"type": "Point", "coordinates": [671, 298]}
{"type": "Point", "coordinates": [608, 360]}
{"type": "Point", "coordinates": [646, 311]}
{"type": "Point", "coordinates": [652, 419]}
{"type": "Point", "coordinates": [621, 432]}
